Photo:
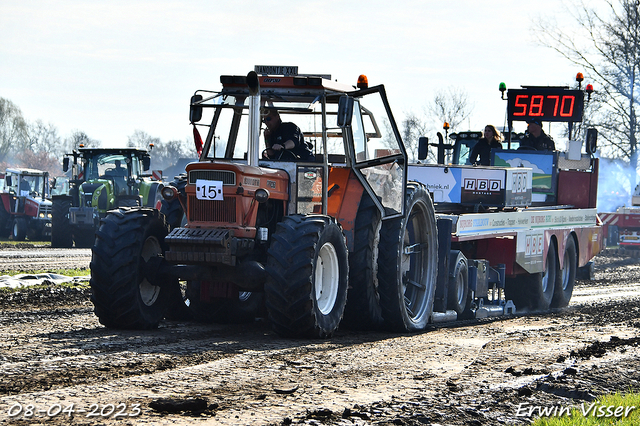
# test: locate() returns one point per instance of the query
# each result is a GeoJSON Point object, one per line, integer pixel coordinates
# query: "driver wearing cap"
{"type": "Point", "coordinates": [536, 138]}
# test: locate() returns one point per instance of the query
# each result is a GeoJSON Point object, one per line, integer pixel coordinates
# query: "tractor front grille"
{"type": "Point", "coordinates": [212, 211]}
{"type": "Point", "coordinates": [46, 210]}
{"type": "Point", "coordinates": [227, 177]}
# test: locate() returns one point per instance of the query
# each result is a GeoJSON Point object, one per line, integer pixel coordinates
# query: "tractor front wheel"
{"type": "Point", "coordinates": [306, 291]}
{"type": "Point", "coordinates": [122, 295]}
{"type": "Point", "coordinates": [19, 229]}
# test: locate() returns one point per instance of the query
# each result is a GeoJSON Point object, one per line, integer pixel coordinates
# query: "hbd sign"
{"type": "Point", "coordinates": [482, 186]}
{"type": "Point", "coordinates": [491, 185]}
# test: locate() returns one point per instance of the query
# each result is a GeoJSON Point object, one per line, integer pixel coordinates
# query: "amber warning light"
{"type": "Point", "coordinates": [363, 82]}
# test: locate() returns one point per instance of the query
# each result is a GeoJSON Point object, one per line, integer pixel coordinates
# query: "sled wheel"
{"type": "Point", "coordinates": [306, 289]}
{"type": "Point", "coordinates": [541, 286]}
{"type": "Point", "coordinates": [407, 266]}
{"type": "Point", "coordinates": [567, 276]}
{"type": "Point", "coordinates": [122, 296]}
{"type": "Point", "coordinates": [19, 229]}
{"type": "Point", "coordinates": [458, 297]}
{"type": "Point", "coordinates": [534, 292]}
{"type": "Point", "coordinates": [586, 272]}
{"type": "Point", "coordinates": [363, 301]}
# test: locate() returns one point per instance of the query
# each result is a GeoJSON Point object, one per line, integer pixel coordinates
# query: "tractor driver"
{"type": "Point", "coordinates": [119, 170]}
{"type": "Point", "coordinates": [536, 138]}
{"type": "Point", "coordinates": [284, 137]}
{"type": "Point", "coordinates": [25, 186]}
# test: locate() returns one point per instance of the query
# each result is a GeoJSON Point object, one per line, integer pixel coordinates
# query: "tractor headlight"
{"type": "Point", "coordinates": [169, 193]}
{"type": "Point", "coordinates": [261, 195]}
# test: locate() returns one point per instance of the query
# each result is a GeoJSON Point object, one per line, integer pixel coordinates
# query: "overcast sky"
{"type": "Point", "coordinates": [111, 67]}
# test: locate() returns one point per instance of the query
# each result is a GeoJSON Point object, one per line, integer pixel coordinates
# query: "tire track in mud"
{"type": "Point", "coordinates": [43, 259]}
{"type": "Point", "coordinates": [55, 352]}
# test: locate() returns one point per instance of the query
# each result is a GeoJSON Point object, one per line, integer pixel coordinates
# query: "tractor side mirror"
{"type": "Point", "coordinates": [8, 180]}
{"type": "Point", "coordinates": [591, 141]}
{"type": "Point", "coordinates": [423, 147]}
{"type": "Point", "coordinates": [195, 113]}
{"type": "Point", "coordinates": [146, 163]}
{"type": "Point", "coordinates": [65, 164]}
{"type": "Point", "coordinates": [345, 111]}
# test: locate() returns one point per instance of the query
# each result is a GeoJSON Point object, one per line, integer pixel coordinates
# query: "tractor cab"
{"type": "Point", "coordinates": [343, 127]}
{"type": "Point", "coordinates": [26, 207]}
{"type": "Point", "coordinates": [100, 179]}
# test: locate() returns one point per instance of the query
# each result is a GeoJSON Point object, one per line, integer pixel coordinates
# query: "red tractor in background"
{"type": "Point", "coordinates": [25, 210]}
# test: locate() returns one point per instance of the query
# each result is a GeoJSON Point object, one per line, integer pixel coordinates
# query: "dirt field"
{"type": "Point", "coordinates": [58, 365]}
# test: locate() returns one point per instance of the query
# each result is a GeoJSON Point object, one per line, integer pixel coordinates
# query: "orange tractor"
{"type": "Point", "coordinates": [298, 237]}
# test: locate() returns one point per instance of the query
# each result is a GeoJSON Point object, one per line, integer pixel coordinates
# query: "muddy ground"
{"type": "Point", "coordinates": [58, 365]}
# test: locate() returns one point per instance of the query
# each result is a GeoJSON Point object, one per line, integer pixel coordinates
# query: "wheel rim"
{"type": "Point", "coordinates": [414, 255]}
{"type": "Point", "coordinates": [548, 276]}
{"type": "Point", "coordinates": [460, 289]}
{"type": "Point", "coordinates": [566, 273]}
{"type": "Point", "coordinates": [149, 293]}
{"type": "Point", "coordinates": [327, 278]}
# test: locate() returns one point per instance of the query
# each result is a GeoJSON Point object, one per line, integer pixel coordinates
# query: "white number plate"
{"type": "Point", "coordinates": [209, 189]}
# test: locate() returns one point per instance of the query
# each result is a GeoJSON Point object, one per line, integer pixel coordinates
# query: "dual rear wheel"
{"type": "Point", "coordinates": [551, 288]}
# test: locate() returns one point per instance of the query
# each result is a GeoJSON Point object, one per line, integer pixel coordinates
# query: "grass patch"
{"type": "Point", "coordinates": [78, 272]}
{"type": "Point", "coordinates": [615, 409]}
{"type": "Point", "coordinates": [6, 243]}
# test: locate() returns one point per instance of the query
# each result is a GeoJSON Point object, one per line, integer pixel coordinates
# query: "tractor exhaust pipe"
{"type": "Point", "coordinates": [254, 118]}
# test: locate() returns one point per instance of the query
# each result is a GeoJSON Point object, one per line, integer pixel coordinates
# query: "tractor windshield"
{"type": "Point", "coordinates": [228, 134]}
{"type": "Point", "coordinates": [109, 165]}
{"type": "Point", "coordinates": [33, 185]}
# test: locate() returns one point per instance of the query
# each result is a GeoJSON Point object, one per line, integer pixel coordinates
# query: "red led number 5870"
{"type": "Point", "coordinates": [548, 105]}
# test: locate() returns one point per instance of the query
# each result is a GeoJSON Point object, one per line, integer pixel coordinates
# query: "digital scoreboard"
{"type": "Point", "coordinates": [545, 104]}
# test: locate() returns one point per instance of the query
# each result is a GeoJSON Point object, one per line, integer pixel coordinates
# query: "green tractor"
{"type": "Point", "coordinates": [101, 179]}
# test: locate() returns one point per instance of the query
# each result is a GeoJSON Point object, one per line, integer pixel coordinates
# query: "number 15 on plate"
{"type": "Point", "coordinates": [209, 189]}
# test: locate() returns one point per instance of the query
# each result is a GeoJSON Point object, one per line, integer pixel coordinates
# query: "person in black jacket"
{"type": "Point", "coordinates": [481, 152]}
{"type": "Point", "coordinates": [536, 138]}
{"type": "Point", "coordinates": [281, 138]}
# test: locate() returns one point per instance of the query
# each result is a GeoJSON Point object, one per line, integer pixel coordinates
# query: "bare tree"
{"type": "Point", "coordinates": [77, 139]}
{"type": "Point", "coordinates": [13, 128]}
{"type": "Point", "coordinates": [167, 154]}
{"type": "Point", "coordinates": [412, 128]}
{"type": "Point", "coordinates": [141, 140]}
{"type": "Point", "coordinates": [607, 47]}
{"type": "Point", "coordinates": [450, 105]}
{"type": "Point", "coordinates": [44, 138]}
{"type": "Point", "coordinates": [40, 160]}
